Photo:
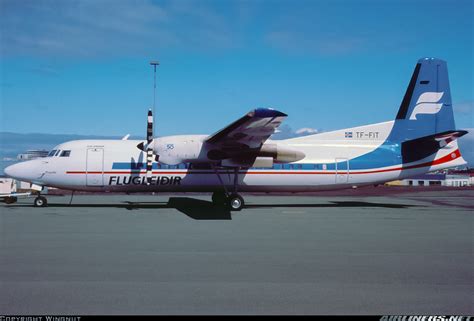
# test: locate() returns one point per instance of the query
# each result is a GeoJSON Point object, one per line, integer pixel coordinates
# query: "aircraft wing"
{"type": "Point", "coordinates": [248, 132]}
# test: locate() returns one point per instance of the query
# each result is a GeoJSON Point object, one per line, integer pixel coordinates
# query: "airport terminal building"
{"type": "Point", "coordinates": [451, 180]}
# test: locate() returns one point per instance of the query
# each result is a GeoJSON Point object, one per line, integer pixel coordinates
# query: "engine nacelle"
{"type": "Point", "coordinates": [174, 150]}
{"type": "Point", "coordinates": [281, 154]}
{"type": "Point", "coordinates": [265, 162]}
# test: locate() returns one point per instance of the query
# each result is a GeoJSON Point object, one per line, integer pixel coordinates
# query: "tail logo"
{"type": "Point", "coordinates": [428, 103]}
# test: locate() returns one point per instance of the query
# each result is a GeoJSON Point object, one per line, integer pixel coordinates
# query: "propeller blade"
{"type": "Point", "coordinates": [149, 147]}
{"type": "Point", "coordinates": [149, 127]}
{"type": "Point", "coordinates": [149, 165]}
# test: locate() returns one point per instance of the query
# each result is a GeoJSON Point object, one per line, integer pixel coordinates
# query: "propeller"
{"type": "Point", "coordinates": [148, 148]}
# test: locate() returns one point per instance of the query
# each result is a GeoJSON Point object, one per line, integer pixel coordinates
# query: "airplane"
{"type": "Point", "coordinates": [241, 157]}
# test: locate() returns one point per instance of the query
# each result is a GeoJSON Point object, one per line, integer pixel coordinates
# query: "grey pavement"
{"type": "Point", "coordinates": [122, 254]}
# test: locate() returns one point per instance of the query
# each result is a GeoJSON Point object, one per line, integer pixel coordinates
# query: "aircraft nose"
{"type": "Point", "coordinates": [25, 171]}
{"type": "Point", "coordinates": [12, 170]}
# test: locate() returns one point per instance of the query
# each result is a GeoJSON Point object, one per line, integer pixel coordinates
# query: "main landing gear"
{"type": "Point", "coordinates": [231, 201]}
{"type": "Point", "coordinates": [235, 202]}
{"type": "Point", "coordinates": [40, 201]}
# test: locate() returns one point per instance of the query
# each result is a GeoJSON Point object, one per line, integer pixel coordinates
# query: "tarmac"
{"type": "Point", "coordinates": [406, 253]}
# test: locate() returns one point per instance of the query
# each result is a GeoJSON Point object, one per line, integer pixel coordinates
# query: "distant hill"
{"type": "Point", "coordinates": [12, 144]}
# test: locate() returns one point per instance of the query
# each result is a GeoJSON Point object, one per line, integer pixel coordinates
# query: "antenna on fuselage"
{"type": "Point", "coordinates": [154, 63]}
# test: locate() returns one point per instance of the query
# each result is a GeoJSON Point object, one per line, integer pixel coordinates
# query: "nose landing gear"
{"type": "Point", "coordinates": [40, 201]}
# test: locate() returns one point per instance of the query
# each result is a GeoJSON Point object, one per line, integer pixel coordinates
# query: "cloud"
{"type": "Point", "coordinates": [45, 71]}
{"type": "Point", "coordinates": [306, 131]}
{"type": "Point", "coordinates": [343, 28]}
{"type": "Point", "coordinates": [89, 28]}
{"type": "Point", "coordinates": [107, 28]}
{"type": "Point", "coordinates": [285, 132]}
{"type": "Point", "coordinates": [300, 42]}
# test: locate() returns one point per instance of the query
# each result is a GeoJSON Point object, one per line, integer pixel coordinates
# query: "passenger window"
{"type": "Point", "coordinates": [51, 153]}
{"type": "Point", "coordinates": [65, 153]}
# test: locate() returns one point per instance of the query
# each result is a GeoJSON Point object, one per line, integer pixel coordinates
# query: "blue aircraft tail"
{"type": "Point", "coordinates": [425, 120]}
{"type": "Point", "coordinates": [426, 108]}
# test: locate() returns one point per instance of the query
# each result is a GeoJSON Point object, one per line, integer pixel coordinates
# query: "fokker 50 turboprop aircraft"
{"type": "Point", "coordinates": [242, 158]}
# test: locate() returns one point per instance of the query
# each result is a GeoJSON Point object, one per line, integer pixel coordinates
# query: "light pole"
{"type": "Point", "coordinates": [154, 64]}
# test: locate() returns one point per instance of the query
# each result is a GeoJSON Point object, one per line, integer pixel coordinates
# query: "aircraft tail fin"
{"type": "Point", "coordinates": [426, 108]}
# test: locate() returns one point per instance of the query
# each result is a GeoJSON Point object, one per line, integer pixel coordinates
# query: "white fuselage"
{"type": "Point", "coordinates": [332, 161]}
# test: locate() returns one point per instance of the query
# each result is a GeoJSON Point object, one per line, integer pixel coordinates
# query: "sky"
{"type": "Point", "coordinates": [82, 67]}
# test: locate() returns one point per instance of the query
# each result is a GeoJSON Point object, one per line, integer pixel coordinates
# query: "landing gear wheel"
{"type": "Point", "coordinates": [10, 199]}
{"type": "Point", "coordinates": [41, 201]}
{"type": "Point", "coordinates": [235, 202]}
{"type": "Point", "coordinates": [219, 198]}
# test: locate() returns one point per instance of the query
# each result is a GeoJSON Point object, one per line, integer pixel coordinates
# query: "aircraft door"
{"type": "Point", "coordinates": [95, 167]}
{"type": "Point", "coordinates": [342, 170]}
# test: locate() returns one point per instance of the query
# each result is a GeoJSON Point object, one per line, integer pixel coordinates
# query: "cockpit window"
{"type": "Point", "coordinates": [57, 153]}
{"type": "Point", "coordinates": [51, 153]}
{"type": "Point", "coordinates": [65, 153]}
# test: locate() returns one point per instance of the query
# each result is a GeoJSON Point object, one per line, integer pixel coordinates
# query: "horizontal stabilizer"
{"type": "Point", "coordinates": [447, 137]}
{"type": "Point", "coordinates": [417, 149]}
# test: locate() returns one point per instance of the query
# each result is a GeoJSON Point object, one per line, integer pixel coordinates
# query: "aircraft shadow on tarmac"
{"type": "Point", "coordinates": [194, 208]}
{"type": "Point", "coordinates": [335, 204]}
{"type": "Point", "coordinates": [204, 210]}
